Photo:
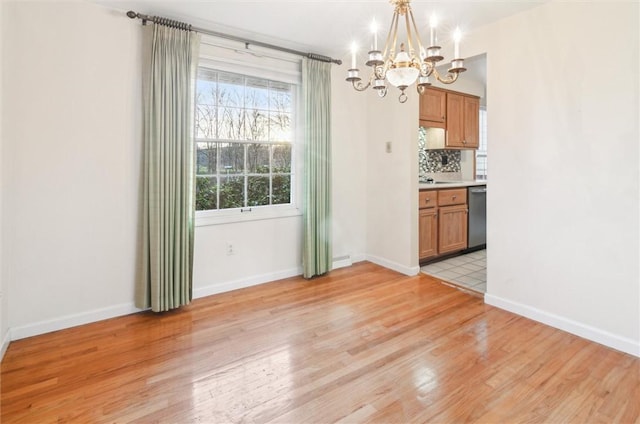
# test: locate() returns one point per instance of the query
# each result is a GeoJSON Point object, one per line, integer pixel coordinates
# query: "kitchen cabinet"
{"type": "Point", "coordinates": [442, 222]}
{"type": "Point", "coordinates": [452, 228]}
{"type": "Point", "coordinates": [461, 118]}
{"type": "Point", "coordinates": [452, 220]}
{"type": "Point", "coordinates": [428, 225]}
{"type": "Point", "coordinates": [433, 107]}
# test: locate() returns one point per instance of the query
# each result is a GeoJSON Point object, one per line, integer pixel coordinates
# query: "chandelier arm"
{"type": "Point", "coordinates": [358, 86]}
{"type": "Point", "coordinates": [450, 78]}
{"type": "Point", "coordinates": [392, 51]}
{"type": "Point", "coordinates": [393, 29]}
{"type": "Point", "coordinates": [407, 24]}
{"type": "Point", "coordinates": [415, 29]}
{"type": "Point", "coordinates": [430, 69]}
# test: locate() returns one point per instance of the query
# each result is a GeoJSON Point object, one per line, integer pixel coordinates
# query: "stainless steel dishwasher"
{"type": "Point", "coordinates": [477, 217]}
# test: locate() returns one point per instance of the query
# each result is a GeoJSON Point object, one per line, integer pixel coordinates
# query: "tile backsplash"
{"type": "Point", "coordinates": [431, 161]}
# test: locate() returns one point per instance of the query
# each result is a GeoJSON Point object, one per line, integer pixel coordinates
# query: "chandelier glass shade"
{"type": "Point", "coordinates": [409, 65]}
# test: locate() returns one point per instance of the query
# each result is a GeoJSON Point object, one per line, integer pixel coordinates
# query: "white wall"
{"type": "Point", "coordinates": [4, 295]}
{"type": "Point", "coordinates": [71, 162]}
{"type": "Point", "coordinates": [563, 198]}
{"type": "Point", "coordinates": [349, 150]}
{"type": "Point", "coordinates": [71, 175]}
{"type": "Point", "coordinates": [392, 181]}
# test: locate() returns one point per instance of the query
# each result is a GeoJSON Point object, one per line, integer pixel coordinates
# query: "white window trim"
{"type": "Point", "coordinates": [256, 213]}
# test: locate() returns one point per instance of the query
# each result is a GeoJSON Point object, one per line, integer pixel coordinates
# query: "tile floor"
{"type": "Point", "coordinates": [468, 271]}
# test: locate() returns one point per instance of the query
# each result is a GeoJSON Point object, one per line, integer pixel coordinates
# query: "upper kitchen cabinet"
{"type": "Point", "coordinates": [456, 113]}
{"type": "Point", "coordinates": [433, 107]}
{"type": "Point", "coordinates": [463, 123]}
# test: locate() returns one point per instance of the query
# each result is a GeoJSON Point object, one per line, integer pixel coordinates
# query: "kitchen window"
{"type": "Point", "coordinates": [244, 135]}
{"type": "Point", "coordinates": [481, 151]}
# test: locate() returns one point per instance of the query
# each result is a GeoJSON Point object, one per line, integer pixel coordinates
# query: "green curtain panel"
{"type": "Point", "coordinates": [166, 264]}
{"type": "Point", "coordinates": [316, 88]}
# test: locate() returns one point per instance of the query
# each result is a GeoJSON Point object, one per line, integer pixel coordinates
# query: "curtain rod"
{"type": "Point", "coordinates": [188, 27]}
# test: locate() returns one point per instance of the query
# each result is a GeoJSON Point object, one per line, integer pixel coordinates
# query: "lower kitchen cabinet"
{"type": "Point", "coordinates": [442, 222]}
{"type": "Point", "coordinates": [452, 228]}
{"type": "Point", "coordinates": [428, 225]}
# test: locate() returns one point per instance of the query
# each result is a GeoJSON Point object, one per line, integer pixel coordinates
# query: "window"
{"type": "Point", "coordinates": [244, 137]}
{"type": "Point", "coordinates": [481, 152]}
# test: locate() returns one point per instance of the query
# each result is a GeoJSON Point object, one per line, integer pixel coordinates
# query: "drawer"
{"type": "Point", "coordinates": [456, 196]}
{"type": "Point", "coordinates": [428, 199]}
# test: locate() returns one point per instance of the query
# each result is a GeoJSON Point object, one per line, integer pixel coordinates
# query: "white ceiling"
{"type": "Point", "coordinates": [325, 27]}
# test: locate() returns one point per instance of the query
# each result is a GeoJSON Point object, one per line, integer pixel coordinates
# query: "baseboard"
{"type": "Point", "coordinates": [74, 320]}
{"type": "Point", "coordinates": [358, 258]}
{"type": "Point", "coordinates": [5, 344]}
{"type": "Point", "coordinates": [410, 271]}
{"type": "Point", "coordinates": [68, 321]}
{"type": "Point", "coordinates": [245, 282]}
{"type": "Point", "coordinates": [613, 341]}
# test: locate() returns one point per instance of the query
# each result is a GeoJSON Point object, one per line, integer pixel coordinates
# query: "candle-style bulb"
{"type": "Point", "coordinates": [433, 23]}
{"type": "Point", "coordinates": [354, 49]}
{"type": "Point", "coordinates": [457, 36]}
{"type": "Point", "coordinates": [374, 30]}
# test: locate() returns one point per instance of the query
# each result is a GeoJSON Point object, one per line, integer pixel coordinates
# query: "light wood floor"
{"type": "Point", "coordinates": [363, 344]}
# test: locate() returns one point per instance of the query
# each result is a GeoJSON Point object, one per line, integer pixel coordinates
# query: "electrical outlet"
{"type": "Point", "coordinates": [231, 250]}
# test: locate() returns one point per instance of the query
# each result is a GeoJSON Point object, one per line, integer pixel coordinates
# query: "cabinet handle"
{"type": "Point", "coordinates": [453, 197]}
{"type": "Point", "coordinates": [464, 141]}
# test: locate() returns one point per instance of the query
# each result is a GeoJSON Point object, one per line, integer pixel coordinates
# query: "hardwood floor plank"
{"type": "Point", "coordinates": [361, 344]}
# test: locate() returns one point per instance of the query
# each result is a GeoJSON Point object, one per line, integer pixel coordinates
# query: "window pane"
{"type": "Point", "coordinates": [257, 94]}
{"type": "Point", "coordinates": [258, 158]}
{"type": "Point", "coordinates": [231, 123]}
{"type": "Point", "coordinates": [280, 126]}
{"type": "Point", "coordinates": [206, 91]}
{"type": "Point", "coordinates": [206, 193]}
{"type": "Point", "coordinates": [258, 191]}
{"type": "Point", "coordinates": [231, 158]}
{"type": "Point", "coordinates": [231, 192]}
{"type": "Point", "coordinates": [206, 161]}
{"type": "Point", "coordinates": [280, 97]}
{"type": "Point", "coordinates": [230, 90]}
{"type": "Point", "coordinates": [281, 158]}
{"type": "Point", "coordinates": [256, 125]}
{"type": "Point", "coordinates": [205, 121]}
{"type": "Point", "coordinates": [281, 189]}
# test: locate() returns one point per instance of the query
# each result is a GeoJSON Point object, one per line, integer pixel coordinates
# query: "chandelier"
{"type": "Point", "coordinates": [407, 66]}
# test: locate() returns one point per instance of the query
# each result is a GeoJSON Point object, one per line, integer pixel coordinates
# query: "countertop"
{"type": "Point", "coordinates": [453, 184]}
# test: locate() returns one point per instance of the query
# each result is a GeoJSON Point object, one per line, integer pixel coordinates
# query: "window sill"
{"type": "Point", "coordinates": [205, 218]}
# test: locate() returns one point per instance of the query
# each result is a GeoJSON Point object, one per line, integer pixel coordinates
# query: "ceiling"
{"type": "Point", "coordinates": [325, 27]}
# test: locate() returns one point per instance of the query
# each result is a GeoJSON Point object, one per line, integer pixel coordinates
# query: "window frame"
{"type": "Point", "coordinates": [253, 213]}
{"type": "Point", "coordinates": [481, 151]}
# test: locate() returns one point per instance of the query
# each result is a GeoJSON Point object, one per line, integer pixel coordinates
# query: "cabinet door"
{"type": "Point", "coordinates": [455, 120]}
{"type": "Point", "coordinates": [433, 106]}
{"type": "Point", "coordinates": [428, 227]}
{"type": "Point", "coordinates": [452, 228]}
{"type": "Point", "coordinates": [471, 122]}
